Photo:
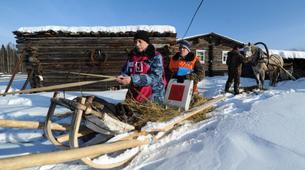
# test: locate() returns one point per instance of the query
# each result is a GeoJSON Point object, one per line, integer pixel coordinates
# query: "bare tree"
{"type": "Point", "coordinates": [8, 57]}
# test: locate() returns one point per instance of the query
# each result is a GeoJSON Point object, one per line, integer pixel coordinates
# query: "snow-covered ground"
{"type": "Point", "coordinates": [247, 131]}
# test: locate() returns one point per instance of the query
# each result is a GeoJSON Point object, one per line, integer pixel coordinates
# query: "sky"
{"type": "Point", "coordinates": [278, 23]}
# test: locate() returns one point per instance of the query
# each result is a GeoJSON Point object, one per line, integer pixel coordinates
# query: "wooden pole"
{"type": "Point", "coordinates": [14, 73]}
{"type": "Point", "coordinates": [187, 114]}
{"type": "Point", "coordinates": [27, 80]}
{"type": "Point", "coordinates": [56, 87]}
{"type": "Point", "coordinates": [40, 159]}
{"type": "Point", "coordinates": [288, 73]}
{"type": "Point", "coordinates": [30, 125]}
{"type": "Point", "coordinates": [65, 137]}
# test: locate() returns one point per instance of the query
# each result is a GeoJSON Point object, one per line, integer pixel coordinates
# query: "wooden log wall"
{"type": "Point", "coordinates": [48, 56]}
{"type": "Point", "coordinates": [298, 67]}
{"type": "Point", "coordinates": [218, 67]}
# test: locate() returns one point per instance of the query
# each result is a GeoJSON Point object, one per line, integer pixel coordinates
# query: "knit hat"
{"type": "Point", "coordinates": [143, 35]}
{"type": "Point", "coordinates": [185, 44]}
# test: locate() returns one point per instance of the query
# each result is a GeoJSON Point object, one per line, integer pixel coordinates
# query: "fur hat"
{"type": "Point", "coordinates": [143, 35]}
{"type": "Point", "coordinates": [185, 44]}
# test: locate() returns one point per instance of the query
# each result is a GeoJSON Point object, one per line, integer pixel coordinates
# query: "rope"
{"type": "Point", "coordinates": [193, 18]}
{"type": "Point", "coordinates": [79, 73]}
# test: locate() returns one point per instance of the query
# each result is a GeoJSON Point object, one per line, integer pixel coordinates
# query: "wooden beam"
{"type": "Point", "coordinates": [30, 125]}
{"type": "Point", "coordinates": [57, 87]}
{"type": "Point", "coordinates": [26, 161]}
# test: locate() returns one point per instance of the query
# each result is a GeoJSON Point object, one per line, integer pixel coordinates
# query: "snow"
{"type": "Point", "coordinates": [205, 34]}
{"type": "Point", "coordinates": [289, 54]}
{"type": "Point", "coordinates": [263, 130]}
{"type": "Point", "coordinates": [110, 29]}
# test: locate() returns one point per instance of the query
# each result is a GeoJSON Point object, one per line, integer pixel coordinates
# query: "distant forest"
{"type": "Point", "coordinates": [8, 58]}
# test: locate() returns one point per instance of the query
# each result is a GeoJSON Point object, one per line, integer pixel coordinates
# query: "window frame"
{"type": "Point", "coordinates": [224, 54]}
{"type": "Point", "coordinates": [201, 57]}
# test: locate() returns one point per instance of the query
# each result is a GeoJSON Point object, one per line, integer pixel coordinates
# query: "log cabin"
{"type": "Point", "coordinates": [212, 49]}
{"type": "Point", "coordinates": [51, 52]}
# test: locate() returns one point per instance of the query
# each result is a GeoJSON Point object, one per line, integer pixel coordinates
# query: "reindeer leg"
{"type": "Point", "coordinates": [271, 77]}
{"type": "Point", "coordinates": [256, 75]}
{"type": "Point", "coordinates": [276, 76]}
{"type": "Point", "coordinates": [262, 77]}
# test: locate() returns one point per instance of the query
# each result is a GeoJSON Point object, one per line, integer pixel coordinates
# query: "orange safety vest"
{"type": "Point", "coordinates": [175, 64]}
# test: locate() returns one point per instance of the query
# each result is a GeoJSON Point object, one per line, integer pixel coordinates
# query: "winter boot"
{"type": "Point", "coordinates": [227, 87]}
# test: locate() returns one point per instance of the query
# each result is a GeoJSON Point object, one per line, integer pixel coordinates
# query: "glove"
{"type": "Point", "coordinates": [180, 79]}
{"type": "Point", "coordinates": [190, 76]}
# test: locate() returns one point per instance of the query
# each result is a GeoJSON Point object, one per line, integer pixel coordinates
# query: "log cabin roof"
{"type": "Point", "coordinates": [286, 54]}
{"type": "Point", "coordinates": [98, 31]}
{"type": "Point", "coordinates": [215, 37]}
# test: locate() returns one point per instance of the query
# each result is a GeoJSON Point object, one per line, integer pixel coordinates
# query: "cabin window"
{"type": "Point", "coordinates": [201, 55]}
{"type": "Point", "coordinates": [224, 57]}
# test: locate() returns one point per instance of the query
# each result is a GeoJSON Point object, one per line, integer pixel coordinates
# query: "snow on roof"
{"type": "Point", "coordinates": [112, 29]}
{"type": "Point", "coordinates": [199, 35]}
{"type": "Point", "coordinates": [283, 53]}
{"type": "Point", "coordinates": [194, 36]}
{"type": "Point", "coordinates": [289, 54]}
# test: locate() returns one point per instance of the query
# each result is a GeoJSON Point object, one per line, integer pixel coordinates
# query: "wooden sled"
{"type": "Point", "coordinates": [76, 131]}
{"type": "Point", "coordinates": [125, 137]}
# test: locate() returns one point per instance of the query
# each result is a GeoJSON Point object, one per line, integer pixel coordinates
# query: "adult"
{"type": "Point", "coordinates": [144, 71]}
{"type": "Point", "coordinates": [234, 63]}
{"type": "Point", "coordinates": [188, 61]}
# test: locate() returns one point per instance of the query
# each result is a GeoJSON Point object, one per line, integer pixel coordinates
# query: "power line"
{"type": "Point", "coordinates": [193, 18]}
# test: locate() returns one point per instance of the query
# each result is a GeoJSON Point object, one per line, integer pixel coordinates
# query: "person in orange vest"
{"type": "Point", "coordinates": [187, 62]}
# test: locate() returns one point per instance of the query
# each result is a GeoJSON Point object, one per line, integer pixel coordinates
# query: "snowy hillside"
{"type": "Point", "coordinates": [247, 131]}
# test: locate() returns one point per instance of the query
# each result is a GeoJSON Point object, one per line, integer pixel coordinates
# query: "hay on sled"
{"type": "Point", "coordinates": [153, 112]}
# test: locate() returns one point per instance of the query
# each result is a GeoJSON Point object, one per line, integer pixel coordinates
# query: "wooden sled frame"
{"type": "Point", "coordinates": [75, 132]}
{"type": "Point", "coordinates": [87, 153]}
